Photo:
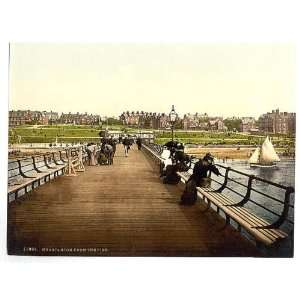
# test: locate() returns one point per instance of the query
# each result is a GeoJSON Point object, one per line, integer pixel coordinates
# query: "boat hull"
{"type": "Point", "coordinates": [252, 165]}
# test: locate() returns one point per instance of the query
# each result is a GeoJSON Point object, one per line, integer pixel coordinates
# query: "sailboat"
{"type": "Point", "coordinates": [264, 156]}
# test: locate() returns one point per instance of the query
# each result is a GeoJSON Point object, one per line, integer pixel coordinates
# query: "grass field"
{"type": "Point", "coordinates": [71, 133]}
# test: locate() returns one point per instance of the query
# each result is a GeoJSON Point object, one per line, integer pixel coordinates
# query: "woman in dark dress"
{"type": "Point", "coordinates": [199, 178]}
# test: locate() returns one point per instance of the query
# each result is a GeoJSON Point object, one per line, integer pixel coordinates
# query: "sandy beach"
{"type": "Point", "coordinates": [223, 153]}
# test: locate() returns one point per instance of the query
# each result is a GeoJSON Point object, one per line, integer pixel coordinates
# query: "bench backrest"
{"type": "Point", "coordinates": [276, 205]}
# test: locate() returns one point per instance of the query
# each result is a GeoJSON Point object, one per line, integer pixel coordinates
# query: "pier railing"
{"type": "Point", "coordinates": [26, 172]}
{"type": "Point", "coordinates": [246, 189]}
{"type": "Point", "coordinates": [251, 188]}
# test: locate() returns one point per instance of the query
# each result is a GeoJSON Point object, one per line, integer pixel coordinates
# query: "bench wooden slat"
{"type": "Point", "coordinates": [240, 215]}
{"type": "Point", "coordinates": [243, 217]}
{"type": "Point", "coordinates": [20, 185]}
{"type": "Point", "coordinates": [184, 175]}
{"type": "Point", "coordinates": [26, 181]}
{"type": "Point", "coordinates": [257, 221]}
{"type": "Point", "coordinates": [226, 201]}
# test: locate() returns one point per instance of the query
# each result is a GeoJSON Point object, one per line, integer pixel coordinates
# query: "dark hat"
{"type": "Point", "coordinates": [208, 157]}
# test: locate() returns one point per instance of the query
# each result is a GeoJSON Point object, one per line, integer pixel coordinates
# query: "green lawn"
{"type": "Point", "coordinates": [71, 133]}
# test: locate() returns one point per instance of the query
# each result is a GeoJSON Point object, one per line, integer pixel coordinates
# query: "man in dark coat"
{"type": "Point", "coordinates": [139, 143]}
{"type": "Point", "coordinates": [113, 143]}
{"type": "Point", "coordinates": [198, 178]}
{"type": "Point", "coordinates": [126, 143]}
{"type": "Point", "coordinates": [171, 144]}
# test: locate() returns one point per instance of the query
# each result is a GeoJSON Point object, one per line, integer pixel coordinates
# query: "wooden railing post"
{"type": "Point", "coordinates": [81, 167]}
{"type": "Point", "coordinates": [70, 171]}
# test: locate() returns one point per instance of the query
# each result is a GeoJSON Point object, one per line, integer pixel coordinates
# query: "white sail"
{"type": "Point", "coordinates": [268, 154]}
{"type": "Point", "coordinates": [254, 159]}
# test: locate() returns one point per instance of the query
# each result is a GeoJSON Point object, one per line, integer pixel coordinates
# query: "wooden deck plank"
{"type": "Point", "coordinates": [123, 208]}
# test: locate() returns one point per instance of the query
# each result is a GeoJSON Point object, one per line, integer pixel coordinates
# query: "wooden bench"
{"type": "Point", "coordinates": [263, 232]}
{"type": "Point", "coordinates": [254, 225]}
{"type": "Point", "coordinates": [38, 169]}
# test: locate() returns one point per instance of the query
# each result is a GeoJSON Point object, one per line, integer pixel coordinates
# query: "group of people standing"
{"type": "Point", "coordinates": [128, 141]}
{"type": "Point", "coordinates": [104, 155]}
{"type": "Point", "coordinates": [180, 162]}
{"type": "Point", "coordinates": [105, 152]}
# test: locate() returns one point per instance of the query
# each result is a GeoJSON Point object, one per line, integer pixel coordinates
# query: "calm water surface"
{"type": "Point", "coordinates": [284, 174]}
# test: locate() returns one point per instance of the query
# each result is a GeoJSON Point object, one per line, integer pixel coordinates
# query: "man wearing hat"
{"type": "Point", "coordinates": [198, 178]}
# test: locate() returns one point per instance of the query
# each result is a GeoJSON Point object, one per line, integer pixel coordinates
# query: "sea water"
{"type": "Point", "coordinates": [283, 173]}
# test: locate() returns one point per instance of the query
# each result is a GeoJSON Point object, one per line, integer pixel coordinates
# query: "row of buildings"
{"type": "Point", "coordinates": [23, 117]}
{"type": "Point", "coordinates": [162, 121]}
{"type": "Point", "coordinates": [271, 122]}
{"type": "Point", "coordinates": [202, 122]}
{"type": "Point", "coordinates": [145, 119]}
{"type": "Point", "coordinates": [278, 122]}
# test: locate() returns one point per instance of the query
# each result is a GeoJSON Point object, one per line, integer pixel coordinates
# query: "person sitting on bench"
{"type": "Point", "coordinates": [198, 178]}
{"type": "Point", "coordinates": [180, 163]}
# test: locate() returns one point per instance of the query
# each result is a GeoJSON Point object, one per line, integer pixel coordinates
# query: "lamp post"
{"type": "Point", "coordinates": [173, 117]}
{"type": "Point", "coordinates": [99, 122]}
{"type": "Point", "coordinates": [106, 118]}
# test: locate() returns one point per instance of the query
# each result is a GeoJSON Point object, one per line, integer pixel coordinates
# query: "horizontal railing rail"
{"type": "Point", "coordinates": [287, 190]}
{"type": "Point", "coordinates": [29, 166]}
{"type": "Point", "coordinates": [25, 172]}
{"type": "Point", "coordinates": [250, 186]}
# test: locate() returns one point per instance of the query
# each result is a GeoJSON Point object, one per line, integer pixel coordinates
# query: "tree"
{"type": "Point", "coordinates": [232, 124]}
{"type": "Point", "coordinates": [113, 121]}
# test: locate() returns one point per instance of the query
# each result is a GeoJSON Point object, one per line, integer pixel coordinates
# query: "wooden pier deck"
{"type": "Point", "coordinates": [118, 210]}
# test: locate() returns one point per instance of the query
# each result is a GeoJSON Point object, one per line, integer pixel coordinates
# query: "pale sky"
{"type": "Point", "coordinates": [107, 79]}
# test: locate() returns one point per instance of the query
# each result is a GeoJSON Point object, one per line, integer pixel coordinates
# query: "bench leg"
{"type": "Point", "coordinates": [239, 228]}
{"type": "Point", "coordinates": [207, 206]}
{"type": "Point", "coordinates": [259, 245]}
{"type": "Point", "coordinates": [227, 220]}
